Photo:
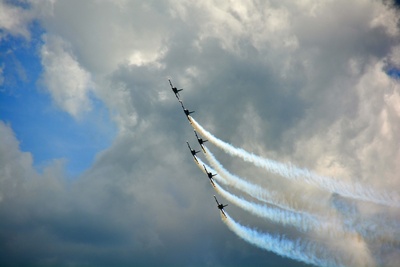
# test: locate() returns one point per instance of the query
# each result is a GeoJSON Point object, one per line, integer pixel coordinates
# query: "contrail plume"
{"type": "Point", "coordinates": [277, 215]}
{"type": "Point", "coordinates": [240, 183]}
{"type": "Point", "coordinates": [253, 190]}
{"type": "Point", "coordinates": [330, 226]}
{"type": "Point", "coordinates": [284, 217]}
{"type": "Point", "coordinates": [302, 222]}
{"type": "Point", "coordinates": [262, 194]}
{"type": "Point", "coordinates": [229, 179]}
{"type": "Point", "coordinates": [355, 190]}
{"type": "Point", "coordinates": [298, 250]}
{"type": "Point", "coordinates": [273, 214]}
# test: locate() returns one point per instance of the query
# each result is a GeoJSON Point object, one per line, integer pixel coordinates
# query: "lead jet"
{"type": "Point", "coordinates": [210, 175]}
{"type": "Point", "coordinates": [175, 90]}
{"type": "Point", "coordinates": [194, 152]}
{"type": "Point", "coordinates": [201, 141]}
{"type": "Point", "coordinates": [221, 207]}
{"type": "Point", "coordinates": [186, 111]}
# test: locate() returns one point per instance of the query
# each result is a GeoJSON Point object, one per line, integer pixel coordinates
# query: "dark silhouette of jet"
{"type": "Point", "coordinates": [175, 90]}
{"type": "Point", "coordinates": [194, 152]}
{"type": "Point", "coordinates": [186, 111]}
{"type": "Point", "coordinates": [201, 141]}
{"type": "Point", "coordinates": [210, 175]}
{"type": "Point", "coordinates": [221, 207]}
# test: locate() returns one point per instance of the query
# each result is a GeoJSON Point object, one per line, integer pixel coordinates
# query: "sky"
{"type": "Point", "coordinates": [94, 165]}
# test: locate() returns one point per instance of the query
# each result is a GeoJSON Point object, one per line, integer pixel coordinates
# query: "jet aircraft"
{"type": "Point", "coordinates": [210, 175]}
{"type": "Point", "coordinates": [194, 152]}
{"type": "Point", "coordinates": [201, 141]}
{"type": "Point", "coordinates": [175, 90]}
{"type": "Point", "coordinates": [221, 207]}
{"type": "Point", "coordinates": [186, 111]}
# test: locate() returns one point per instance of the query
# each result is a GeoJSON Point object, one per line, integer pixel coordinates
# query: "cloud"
{"type": "Point", "coordinates": [14, 20]}
{"type": "Point", "coordinates": [303, 82]}
{"type": "Point", "coordinates": [103, 44]}
{"type": "Point", "coordinates": [68, 83]}
{"type": "Point", "coordinates": [127, 209]}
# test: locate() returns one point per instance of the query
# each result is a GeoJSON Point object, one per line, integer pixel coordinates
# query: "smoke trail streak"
{"type": "Point", "coordinates": [253, 190]}
{"type": "Point", "coordinates": [263, 194]}
{"type": "Point", "coordinates": [273, 214]}
{"type": "Point", "coordinates": [229, 179]}
{"type": "Point", "coordinates": [298, 250]}
{"type": "Point", "coordinates": [302, 222]}
{"type": "Point", "coordinates": [284, 217]}
{"type": "Point", "coordinates": [289, 171]}
{"type": "Point", "coordinates": [350, 222]}
{"type": "Point", "coordinates": [330, 225]}
{"type": "Point", "coordinates": [241, 184]}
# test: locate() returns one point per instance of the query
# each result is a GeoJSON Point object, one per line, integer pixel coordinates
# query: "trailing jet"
{"type": "Point", "coordinates": [194, 152]}
{"type": "Point", "coordinates": [186, 111]}
{"type": "Point", "coordinates": [201, 141]}
{"type": "Point", "coordinates": [221, 207]}
{"type": "Point", "coordinates": [210, 175]}
{"type": "Point", "coordinates": [175, 90]}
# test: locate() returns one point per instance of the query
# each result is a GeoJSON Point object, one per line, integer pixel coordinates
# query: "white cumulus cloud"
{"type": "Point", "coordinates": [67, 81]}
{"type": "Point", "coordinates": [14, 20]}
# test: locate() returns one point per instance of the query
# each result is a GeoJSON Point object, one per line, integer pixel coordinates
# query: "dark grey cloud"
{"type": "Point", "coordinates": [115, 215]}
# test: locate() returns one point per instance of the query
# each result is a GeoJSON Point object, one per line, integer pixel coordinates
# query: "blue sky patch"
{"type": "Point", "coordinates": [393, 72]}
{"type": "Point", "coordinates": [43, 129]}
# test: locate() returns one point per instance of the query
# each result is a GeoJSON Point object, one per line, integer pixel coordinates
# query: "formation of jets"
{"type": "Point", "coordinates": [201, 143]}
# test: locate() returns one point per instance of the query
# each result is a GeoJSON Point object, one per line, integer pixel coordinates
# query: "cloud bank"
{"type": "Point", "coordinates": [308, 82]}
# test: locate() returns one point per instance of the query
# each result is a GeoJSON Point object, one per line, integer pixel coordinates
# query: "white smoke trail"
{"type": "Point", "coordinates": [302, 222]}
{"type": "Point", "coordinates": [298, 250]}
{"type": "Point", "coordinates": [289, 171]}
{"type": "Point", "coordinates": [284, 217]}
{"type": "Point", "coordinates": [229, 179]}
{"type": "Point", "coordinates": [281, 216]}
{"type": "Point", "coordinates": [241, 184]}
{"type": "Point", "coordinates": [330, 224]}
{"type": "Point", "coordinates": [273, 214]}
{"type": "Point", "coordinates": [253, 190]}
